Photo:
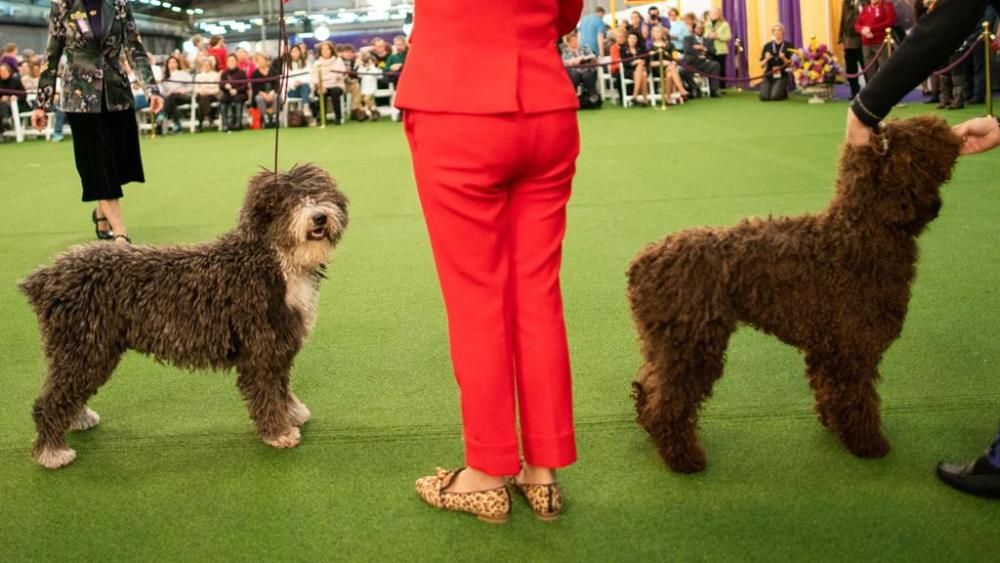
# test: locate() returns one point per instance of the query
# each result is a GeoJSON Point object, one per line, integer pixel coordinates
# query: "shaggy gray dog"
{"type": "Point", "coordinates": [245, 301]}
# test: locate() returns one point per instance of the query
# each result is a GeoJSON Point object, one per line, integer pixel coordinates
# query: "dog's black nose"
{"type": "Point", "coordinates": [319, 219]}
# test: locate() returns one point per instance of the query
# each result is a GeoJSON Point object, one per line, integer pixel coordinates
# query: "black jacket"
{"type": "Point", "coordinates": [691, 54]}
{"type": "Point", "coordinates": [932, 41]}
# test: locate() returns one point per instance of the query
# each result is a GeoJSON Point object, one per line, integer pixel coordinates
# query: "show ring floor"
{"type": "Point", "coordinates": [174, 471]}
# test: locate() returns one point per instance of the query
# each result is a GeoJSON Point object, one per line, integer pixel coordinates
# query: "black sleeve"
{"type": "Point", "coordinates": [936, 37]}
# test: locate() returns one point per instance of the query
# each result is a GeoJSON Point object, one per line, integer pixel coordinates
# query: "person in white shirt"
{"type": "Point", "coordinates": [369, 74]}
{"type": "Point", "coordinates": [176, 89]}
{"type": "Point", "coordinates": [206, 90]}
{"type": "Point", "coordinates": [328, 77]}
{"type": "Point", "coordinates": [299, 76]}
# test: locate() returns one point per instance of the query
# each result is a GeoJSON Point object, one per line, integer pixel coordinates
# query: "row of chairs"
{"type": "Point", "coordinates": [610, 93]}
{"type": "Point", "coordinates": [22, 129]}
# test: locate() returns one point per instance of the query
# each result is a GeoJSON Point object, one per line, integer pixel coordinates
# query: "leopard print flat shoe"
{"type": "Point", "coordinates": [545, 500]}
{"type": "Point", "coordinates": [491, 506]}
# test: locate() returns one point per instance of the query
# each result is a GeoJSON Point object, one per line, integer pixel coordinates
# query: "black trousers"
{"type": "Point", "coordinates": [853, 62]}
{"type": "Point", "coordinates": [333, 96]}
{"type": "Point", "coordinates": [774, 89]}
{"type": "Point", "coordinates": [585, 79]}
{"type": "Point", "coordinates": [106, 147]}
{"type": "Point", "coordinates": [721, 59]}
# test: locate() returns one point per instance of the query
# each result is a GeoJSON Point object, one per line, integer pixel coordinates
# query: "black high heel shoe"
{"type": "Point", "coordinates": [101, 235]}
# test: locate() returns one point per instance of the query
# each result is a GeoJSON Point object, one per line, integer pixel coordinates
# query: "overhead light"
{"type": "Point", "coordinates": [167, 5]}
{"type": "Point", "coordinates": [154, 2]}
{"type": "Point", "coordinates": [321, 33]}
{"type": "Point", "coordinates": [176, 9]}
{"type": "Point", "coordinates": [199, 11]}
{"type": "Point", "coordinates": [189, 12]}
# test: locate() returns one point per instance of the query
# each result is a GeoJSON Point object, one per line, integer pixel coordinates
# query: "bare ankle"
{"type": "Point", "coordinates": [472, 480]}
{"type": "Point", "coordinates": [533, 475]}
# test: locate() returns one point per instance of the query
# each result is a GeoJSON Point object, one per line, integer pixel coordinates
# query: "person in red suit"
{"type": "Point", "coordinates": [494, 147]}
{"type": "Point", "coordinates": [872, 23]}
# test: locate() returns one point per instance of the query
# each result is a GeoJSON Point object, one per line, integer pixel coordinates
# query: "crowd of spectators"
{"type": "Point", "coordinates": [691, 47]}
{"type": "Point", "coordinates": [229, 86]}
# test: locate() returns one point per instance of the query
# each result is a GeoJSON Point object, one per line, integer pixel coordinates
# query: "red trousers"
{"type": "Point", "coordinates": [494, 190]}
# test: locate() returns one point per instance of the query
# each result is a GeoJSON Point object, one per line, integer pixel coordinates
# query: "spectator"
{"type": "Point", "coordinates": [636, 69]}
{"type": "Point", "coordinates": [23, 68]}
{"type": "Point", "coordinates": [30, 78]}
{"type": "Point", "coordinates": [699, 53]}
{"type": "Point", "coordinates": [244, 61]}
{"type": "Point", "coordinates": [10, 81]}
{"type": "Point", "coordinates": [850, 39]}
{"type": "Point", "coordinates": [717, 29]}
{"type": "Point", "coordinates": [394, 63]}
{"type": "Point", "coordinates": [265, 89]}
{"type": "Point", "coordinates": [635, 25]}
{"type": "Point", "coordinates": [328, 76]}
{"type": "Point", "coordinates": [10, 57]}
{"type": "Point", "coordinates": [774, 59]}
{"type": "Point", "coordinates": [369, 74]}
{"type": "Point", "coordinates": [207, 91]}
{"type": "Point", "coordinates": [176, 90]}
{"type": "Point", "coordinates": [194, 51]}
{"type": "Point", "coordinates": [678, 29]}
{"type": "Point", "coordinates": [351, 84]}
{"type": "Point", "coordinates": [979, 59]}
{"type": "Point", "coordinates": [652, 21]}
{"type": "Point", "coordinates": [299, 76]}
{"type": "Point", "coordinates": [593, 31]}
{"type": "Point", "coordinates": [584, 79]}
{"type": "Point", "coordinates": [872, 22]}
{"type": "Point", "coordinates": [235, 92]}
{"type": "Point", "coordinates": [217, 50]}
{"type": "Point", "coordinates": [674, 84]}
{"type": "Point", "coordinates": [953, 88]}
{"type": "Point", "coordinates": [380, 51]}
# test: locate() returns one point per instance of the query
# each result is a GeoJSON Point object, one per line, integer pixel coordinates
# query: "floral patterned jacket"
{"type": "Point", "coordinates": [93, 66]}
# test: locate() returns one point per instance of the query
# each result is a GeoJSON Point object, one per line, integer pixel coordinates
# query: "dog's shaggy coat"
{"type": "Point", "coordinates": [836, 285]}
{"type": "Point", "coordinates": [245, 301]}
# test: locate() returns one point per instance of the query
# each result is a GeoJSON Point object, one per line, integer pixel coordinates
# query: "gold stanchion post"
{"type": "Point", "coordinates": [739, 64]}
{"type": "Point", "coordinates": [987, 42]}
{"type": "Point", "coordinates": [152, 124]}
{"type": "Point", "coordinates": [888, 41]}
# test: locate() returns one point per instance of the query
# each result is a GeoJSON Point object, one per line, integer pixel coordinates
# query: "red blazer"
{"type": "Point", "coordinates": [877, 18]}
{"type": "Point", "coordinates": [490, 56]}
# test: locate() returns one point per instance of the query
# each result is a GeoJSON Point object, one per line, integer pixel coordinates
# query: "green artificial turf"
{"type": "Point", "coordinates": [174, 471]}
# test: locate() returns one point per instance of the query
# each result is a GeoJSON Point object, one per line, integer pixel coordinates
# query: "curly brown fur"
{"type": "Point", "coordinates": [836, 285]}
{"type": "Point", "coordinates": [246, 301]}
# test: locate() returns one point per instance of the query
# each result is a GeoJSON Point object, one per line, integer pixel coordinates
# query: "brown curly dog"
{"type": "Point", "coordinates": [245, 301]}
{"type": "Point", "coordinates": [835, 285]}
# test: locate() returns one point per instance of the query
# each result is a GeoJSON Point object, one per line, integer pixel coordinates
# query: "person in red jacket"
{"type": "Point", "coordinates": [494, 146]}
{"type": "Point", "coordinates": [872, 23]}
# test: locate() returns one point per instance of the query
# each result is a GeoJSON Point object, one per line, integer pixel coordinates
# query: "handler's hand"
{"type": "Point", "coordinates": [155, 104]}
{"type": "Point", "coordinates": [858, 134]}
{"type": "Point", "coordinates": [978, 135]}
{"type": "Point", "coordinates": [38, 119]}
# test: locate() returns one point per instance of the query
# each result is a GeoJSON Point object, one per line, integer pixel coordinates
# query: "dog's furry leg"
{"type": "Point", "coordinates": [848, 403]}
{"type": "Point", "coordinates": [298, 411]}
{"type": "Point", "coordinates": [62, 404]}
{"type": "Point", "coordinates": [264, 386]}
{"type": "Point", "coordinates": [85, 420]}
{"type": "Point", "coordinates": [678, 377]}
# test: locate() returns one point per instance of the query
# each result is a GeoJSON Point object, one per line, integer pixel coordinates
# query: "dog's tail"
{"type": "Point", "coordinates": [34, 288]}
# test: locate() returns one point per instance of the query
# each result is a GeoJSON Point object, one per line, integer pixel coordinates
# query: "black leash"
{"type": "Point", "coordinates": [285, 57]}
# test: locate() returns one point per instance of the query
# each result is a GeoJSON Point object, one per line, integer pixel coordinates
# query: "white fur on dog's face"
{"type": "Point", "coordinates": [313, 242]}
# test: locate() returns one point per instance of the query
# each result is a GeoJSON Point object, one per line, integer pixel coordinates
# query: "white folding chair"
{"type": "Point", "coordinates": [625, 83]}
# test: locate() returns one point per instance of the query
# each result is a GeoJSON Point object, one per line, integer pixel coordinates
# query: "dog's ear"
{"type": "Point", "coordinates": [260, 205]}
{"type": "Point", "coordinates": [917, 157]}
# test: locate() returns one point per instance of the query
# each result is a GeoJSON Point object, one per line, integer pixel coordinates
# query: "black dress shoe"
{"type": "Point", "coordinates": [978, 477]}
{"type": "Point", "coordinates": [932, 100]}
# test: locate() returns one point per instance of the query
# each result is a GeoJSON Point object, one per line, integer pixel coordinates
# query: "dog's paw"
{"type": "Point", "coordinates": [54, 458]}
{"type": "Point", "coordinates": [289, 439]}
{"type": "Point", "coordinates": [299, 413]}
{"type": "Point", "coordinates": [86, 420]}
{"type": "Point", "coordinates": [870, 448]}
